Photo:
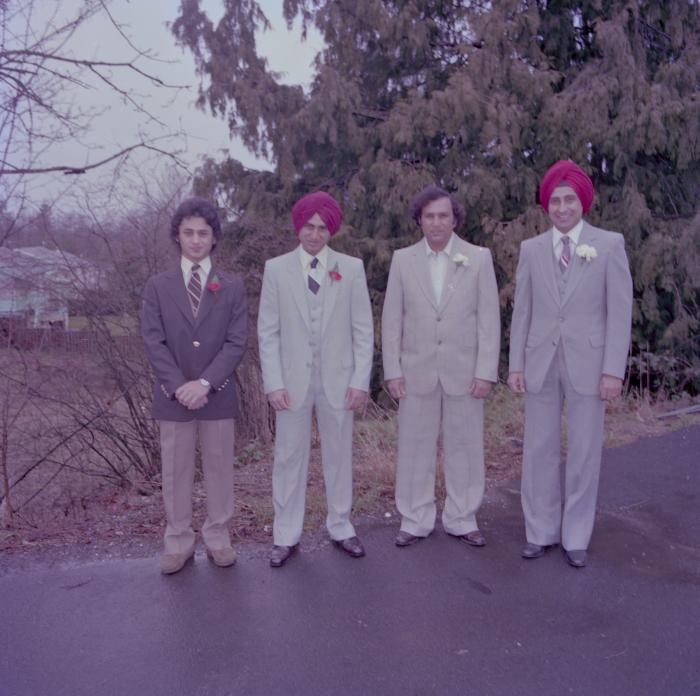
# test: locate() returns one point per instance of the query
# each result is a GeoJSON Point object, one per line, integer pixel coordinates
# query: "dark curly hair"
{"type": "Point", "coordinates": [196, 207]}
{"type": "Point", "coordinates": [433, 193]}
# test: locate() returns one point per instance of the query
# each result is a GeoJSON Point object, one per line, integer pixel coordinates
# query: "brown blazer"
{"type": "Point", "coordinates": [181, 348]}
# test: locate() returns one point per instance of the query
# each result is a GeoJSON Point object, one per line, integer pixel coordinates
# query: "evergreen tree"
{"type": "Point", "coordinates": [480, 97]}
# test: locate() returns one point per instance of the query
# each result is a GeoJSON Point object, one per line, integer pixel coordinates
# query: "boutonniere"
{"type": "Point", "coordinates": [214, 285]}
{"type": "Point", "coordinates": [334, 274]}
{"type": "Point", "coordinates": [586, 252]}
{"type": "Point", "coordinates": [460, 259]}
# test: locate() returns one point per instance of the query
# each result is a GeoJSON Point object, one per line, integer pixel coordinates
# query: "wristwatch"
{"type": "Point", "coordinates": [205, 383]}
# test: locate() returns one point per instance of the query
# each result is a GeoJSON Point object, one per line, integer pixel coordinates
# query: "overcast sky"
{"type": "Point", "coordinates": [119, 125]}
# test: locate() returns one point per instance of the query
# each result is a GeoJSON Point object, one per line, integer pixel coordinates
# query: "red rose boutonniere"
{"type": "Point", "coordinates": [214, 285]}
{"type": "Point", "coordinates": [334, 274]}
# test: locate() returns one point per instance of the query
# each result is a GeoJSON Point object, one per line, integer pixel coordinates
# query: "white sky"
{"type": "Point", "coordinates": [119, 125]}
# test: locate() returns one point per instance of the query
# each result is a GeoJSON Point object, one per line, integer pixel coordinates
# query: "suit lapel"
{"type": "Point", "coordinates": [578, 269]}
{"type": "Point", "coordinates": [175, 285]}
{"type": "Point", "coordinates": [298, 287]}
{"type": "Point", "coordinates": [208, 299]}
{"type": "Point", "coordinates": [455, 273]}
{"type": "Point", "coordinates": [332, 288]}
{"type": "Point", "coordinates": [545, 258]}
{"type": "Point", "coordinates": [419, 261]}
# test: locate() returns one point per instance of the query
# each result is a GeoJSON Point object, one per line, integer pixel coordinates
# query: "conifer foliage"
{"type": "Point", "coordinates": [480, 97]}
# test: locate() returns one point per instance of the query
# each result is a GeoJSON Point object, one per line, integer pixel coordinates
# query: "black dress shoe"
{"type": "Point", "coordinates": [280, 555]}
{"type": "Point", "coordinates": [406, 539]}
{"type": "Point", "coordinates": [577, 559]}
{"type": "Point", "coordinates": [531, 550]}
{"type": "Point", "coordinates": [475, 538]}
{"type": "Point", "coordinates": [352, 546]}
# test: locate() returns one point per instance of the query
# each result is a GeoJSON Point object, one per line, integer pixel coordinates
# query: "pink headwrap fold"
{"type": "Point", "coordinates": [567, 173]}
{"type": "Point", "coordinates": [319, 202]}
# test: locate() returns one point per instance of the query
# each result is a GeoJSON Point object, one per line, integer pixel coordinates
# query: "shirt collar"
{"type": "Point", "coordinates": [186, 266]}
{"type": "Point", "coordinates": [306, 258]}
{"type": "Point", "coordinates": [447, 250]}
{"type": "Point", "coordinates": [574, 234]}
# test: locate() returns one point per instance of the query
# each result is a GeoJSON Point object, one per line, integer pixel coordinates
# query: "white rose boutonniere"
{"type": "Point", "coordinates": [460, 259]}
{"type": "Point", "coordinates": [586, 252]}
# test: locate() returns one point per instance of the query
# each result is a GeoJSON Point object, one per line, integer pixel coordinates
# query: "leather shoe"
{"type": "Point", "coordinates": [352, 546]}
{"type": "Point", "coordinates": [222, 557]}
{"type": "Point", "coordinates": [577, 559]}
{"type": "Point", "coordinates": [531, 550]}
{"type": "Point", "coordinates": [171, 563]}
{"type": "Point", "coordinates": [475, 538]}
{"type": "Point", "coordinates": [280, 555]}
{"type": "Point", "coordinates": [406, 539]}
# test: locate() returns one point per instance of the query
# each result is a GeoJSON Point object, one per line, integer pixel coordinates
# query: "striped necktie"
{"type": "Point", "coordinates": [313, 284]}
{"type": "Point", "coordinates": [565, 258]}
{"type": "Point", "coordinates": [194, 289]}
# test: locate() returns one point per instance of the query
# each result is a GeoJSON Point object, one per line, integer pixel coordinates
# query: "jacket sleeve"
{"type": "Point", "coordinates": [362, 330]}
{"type": "Point", "coordinates": [392, 323]}
{"type": "Point", "coordinates": [162, 360]}
{"type": "Point", "coordinates": [269, 333]}
{"type": "Point", "coordinates": [618, 325]}
{"type": "Point", "coordinates": [488, 316]}
{"type": "Point", "coordinates": [522, 311]}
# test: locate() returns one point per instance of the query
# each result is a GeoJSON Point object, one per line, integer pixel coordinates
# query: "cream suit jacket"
{"type": "Point", "coordinates": [591, 321]}
{"type": "Point", "coordinates": [453, 340]}
{"type": "Point", "coordinates": [284, 329]}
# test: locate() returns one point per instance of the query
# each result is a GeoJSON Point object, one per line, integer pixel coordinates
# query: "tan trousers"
{"type": "Point", "coordinates": [541, 494]}
{"type": "Point", "coordinates": [462, 419]}
{"type": "Point", "coordinates": [177, 447]}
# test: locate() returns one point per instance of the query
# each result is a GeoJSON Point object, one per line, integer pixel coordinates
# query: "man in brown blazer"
{"type": "Point", "coordinates": [569, 338]}
{"type": "Point", "coordinates": [194, 326]}
{"type": "Point", "coordinates": [440, 344]}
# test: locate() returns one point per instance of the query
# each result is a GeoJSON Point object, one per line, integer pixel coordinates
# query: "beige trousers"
{"type": "Point", "coordinates": [177, 447]}
{"type": "Point", "coordinates": [462, 419]}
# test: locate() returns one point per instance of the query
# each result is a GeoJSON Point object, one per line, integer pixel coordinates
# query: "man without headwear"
{"type": "Point", "coordinates": [315, 332]}
{"type": "Point", "coordinates": [440, 344]}
{"type": "Point", "coordinates": [569, 339]}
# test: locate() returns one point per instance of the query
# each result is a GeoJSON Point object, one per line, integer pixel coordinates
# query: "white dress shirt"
{"type": "Point", "coordinates": [438, 262]}
{"type": "Point", "coordinates": [204, 268]}
{"type": "Point", "coordinates": [573, 234]}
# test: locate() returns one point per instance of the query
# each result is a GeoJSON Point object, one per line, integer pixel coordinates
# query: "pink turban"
{"type": "Point", "coordinates": [319, 202]}
{"type": "Point", "coordinates": [567, 173]}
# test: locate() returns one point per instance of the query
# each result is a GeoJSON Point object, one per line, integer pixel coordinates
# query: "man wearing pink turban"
{"type": "Point", "coordinates": [570, 334]}
{"type": "Point", "coordinates": [316, 340]}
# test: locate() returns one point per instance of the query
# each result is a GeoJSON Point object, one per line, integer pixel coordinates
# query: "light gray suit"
{"type": "Point", "coordinates": [439, 348]}
{"type": "Point", "coordinates": [316, 365]}
{"type": "Point", "coordinates": [567, 330]}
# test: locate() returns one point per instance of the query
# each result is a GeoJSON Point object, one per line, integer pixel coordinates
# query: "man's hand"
{"type": "Point", "coordinates": [396, 387]}
{"type": "Point", "coordinates": [192, 395]}
{"type": "Point", "coordinates": [610, 387]}
{"type": "Point", "coordinates": [516, 382]}
{"type": "Point", "coordinates": [279, 399]}
{"type": "Point", "coordinates": [355, 398]}
{"type": "Point", "coordinates": [480, 388]}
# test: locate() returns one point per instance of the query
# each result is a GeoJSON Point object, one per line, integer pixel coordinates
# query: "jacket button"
{"type": "Point", "coordinates": [196, 344]}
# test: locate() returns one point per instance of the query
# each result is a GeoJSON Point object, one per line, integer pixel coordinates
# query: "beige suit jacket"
{"type": "Point", "coordinates": [284, 329]}
{"type": "Point", "coordinates": [591, 321]}
{"type": "Point", "coordinates": [451, 341]}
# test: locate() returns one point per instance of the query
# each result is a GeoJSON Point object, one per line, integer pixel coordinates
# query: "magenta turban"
{"type": "Point", "coordinates": [319, 202]}
{"type": "Point", "coordinates": [567, 173]}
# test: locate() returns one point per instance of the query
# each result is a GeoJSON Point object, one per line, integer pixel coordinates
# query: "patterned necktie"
{"type": "Point", "coordinates": [312, 282]}
{"type": "Point", "coordinates": [565, 258]}
{"type": "Point", "coordinates": [194, 289]}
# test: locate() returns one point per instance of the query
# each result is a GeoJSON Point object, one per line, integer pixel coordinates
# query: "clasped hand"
{"type": "Point", "coordinates": [192, 395]}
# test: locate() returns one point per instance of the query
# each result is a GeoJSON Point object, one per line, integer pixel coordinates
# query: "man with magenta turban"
{"type": "Point", "coordinates": [316, 338]}
{"type": "Point", "coordinates": [570, 335]}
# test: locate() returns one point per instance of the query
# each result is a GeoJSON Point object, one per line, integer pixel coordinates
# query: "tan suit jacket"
{"type": "Point", "coordinates": [451, 341]}
{"type": "Point", "coordinates": [284, 329]}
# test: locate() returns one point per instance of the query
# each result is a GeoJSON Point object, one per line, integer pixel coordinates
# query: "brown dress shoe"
{"type": "Point", "coordinates": [352, 546]}
{"type": "Point", "coordinates": [406, 539]}
{"type": "Point", "coordinates": [475, 538]}
{"type": "Point", "coordinates": [531, 550]}
{"type": "Point", "coordinates": [222, 557]}
{"type": "Point", "coordinates": [171, 563]}
{"type": "Point", "coordinates": [577, 559]}
{"type": "Point", "coordinates": [280, 555]}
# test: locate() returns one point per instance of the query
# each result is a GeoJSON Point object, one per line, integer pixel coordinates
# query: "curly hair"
{"type": "Point", "coordinates": [433, 193]}
{"type": "Point", "coordinates": [196, 207]}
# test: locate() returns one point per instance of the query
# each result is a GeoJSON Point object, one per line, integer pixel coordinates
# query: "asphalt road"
{"type": "Point", "coordinates": [434, 618]}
